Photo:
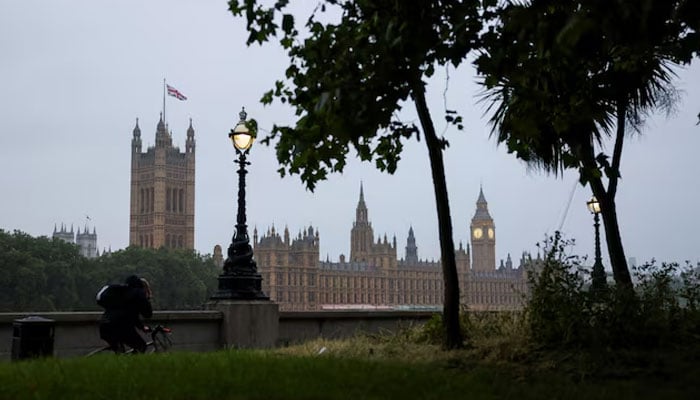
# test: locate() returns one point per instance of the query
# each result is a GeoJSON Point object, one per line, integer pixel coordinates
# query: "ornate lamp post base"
{"type": "Point", "coordinates": [240, 287]}
{"type": "Point", "coordinates": [240, 279]}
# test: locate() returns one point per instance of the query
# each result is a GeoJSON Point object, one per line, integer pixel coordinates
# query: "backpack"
{"type": "Point", "coordinates": [113, 295]}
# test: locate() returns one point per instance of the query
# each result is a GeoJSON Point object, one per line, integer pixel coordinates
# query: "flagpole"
{"type": "Point", "coordinates": [163, 100]}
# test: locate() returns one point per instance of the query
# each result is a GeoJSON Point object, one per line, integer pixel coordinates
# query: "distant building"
{"type": "Point", "coordinates": [86, 240]}
{"type": "Point", "coordinates": [162, 191]}
{"type": "Point", "coordinates": [64, 234]}
{"type": "Point", "coordinates": [373, 277]}
{"type": "Point", "coordinates": [218, 257]}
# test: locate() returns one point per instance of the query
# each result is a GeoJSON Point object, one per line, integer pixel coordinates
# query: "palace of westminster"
{"type": "Point", "coordinates": [373, 277]}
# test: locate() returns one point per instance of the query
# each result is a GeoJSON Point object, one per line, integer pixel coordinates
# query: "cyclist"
{"type": "Point", "coordinates": [121, 317]}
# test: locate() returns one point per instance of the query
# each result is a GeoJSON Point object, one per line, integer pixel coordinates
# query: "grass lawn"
{"type": "Point", "coordinates": [359, 369]}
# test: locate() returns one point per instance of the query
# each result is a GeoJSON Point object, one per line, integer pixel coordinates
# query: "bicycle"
{"type": "Point", "coordinates": [160, 342]}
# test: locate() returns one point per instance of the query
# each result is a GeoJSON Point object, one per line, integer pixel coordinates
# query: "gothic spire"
{"type": "Point", "coordinates": [361, 212]}
{"type": "Point", "coordinates": [482, 207]}
{"type": "Point", "coordinates": [481, 199]}
{"type": "Point", "coordinates": [411, 248]}
{"type": "Point", "coordinates": [362, 195]}
{"type": "Point", "coordinates": [137, 130]}
{"type": "Point", "coordinates": [190, 130]}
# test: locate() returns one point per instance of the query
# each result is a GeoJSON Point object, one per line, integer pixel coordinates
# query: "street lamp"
{"type": "Point", "coordinates": [240, 279]}
{"type": "Point", "coordinates": [598, 280]}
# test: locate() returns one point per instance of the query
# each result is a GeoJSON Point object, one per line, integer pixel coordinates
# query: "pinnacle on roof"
{"type": "Point", "coordinates": [161, 124]}
{"type": "Point", "coordinates": [190, 130]}
{"type": "Point", "coordinates": [362, 194]}
{"type": "Point", "coordinates": [482, 208]}
{"type": "Point", "coordinates": [137, 130]}
{"type": "Point", "coordinates": [481, 199]}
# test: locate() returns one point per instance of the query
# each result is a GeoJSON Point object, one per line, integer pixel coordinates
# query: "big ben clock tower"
{"type": "Point", "coordinates": [483, 236]}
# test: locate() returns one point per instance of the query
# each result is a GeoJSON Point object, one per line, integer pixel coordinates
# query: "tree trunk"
{"type": "Point", "coordinates": [616, 251]}
{"type": "Point", "coordinates": [453, 333]}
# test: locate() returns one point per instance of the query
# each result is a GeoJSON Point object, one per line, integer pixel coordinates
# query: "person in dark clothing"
{"type": "Point", "coordinates": [120, 320]}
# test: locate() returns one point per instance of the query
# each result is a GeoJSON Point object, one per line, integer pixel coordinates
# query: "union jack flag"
{"type": "Point", "coordinates": [175, 93]}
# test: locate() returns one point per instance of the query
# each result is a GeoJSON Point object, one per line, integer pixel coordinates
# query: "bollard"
{"type": "Point", "coordinates": [32, 337]}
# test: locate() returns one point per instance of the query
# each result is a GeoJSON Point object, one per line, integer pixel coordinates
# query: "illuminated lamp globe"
{"type": "Point", "coordinates": [593, 205]}
{"type": "Point", "coordinates": [240, 134]}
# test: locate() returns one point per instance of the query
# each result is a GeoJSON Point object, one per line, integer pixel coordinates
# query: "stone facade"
{"type": "Point", "coordinates": [374, 278]}
{"type": "Point", "coordinates": [162, 191]}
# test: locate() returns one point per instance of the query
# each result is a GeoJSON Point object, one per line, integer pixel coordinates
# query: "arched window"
{"type": "Point", "coordinates": [180, 242]}
{"type": "Point", "coordinates": [181, 201]}
{"type": "Point", "coordinates": [167, 200]}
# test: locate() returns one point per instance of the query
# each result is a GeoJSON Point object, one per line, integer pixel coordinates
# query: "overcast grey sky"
{"type": "Point", "coordinates": [76, 74]}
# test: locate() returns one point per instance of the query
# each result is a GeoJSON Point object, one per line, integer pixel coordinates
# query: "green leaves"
{"type": "Point", "coordinates": [347, 79]}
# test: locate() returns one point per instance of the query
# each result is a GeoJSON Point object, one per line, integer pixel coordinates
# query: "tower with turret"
{"type": "Point", "coordinates": [162, 191]}
{"type": "Point", "coordinates": [411, 248]}
{"type": "Point", "coordinates": [64, 234]}
{"type": "Point", "coordinates": [87, 241]}
{"type": "Point", "coordinates": [361, 234]}
{"type": "Point", "coordinates": [483, 237]}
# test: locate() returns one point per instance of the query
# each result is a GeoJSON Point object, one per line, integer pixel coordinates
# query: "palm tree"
{"type": "Point", "coordinates": [562, 76]}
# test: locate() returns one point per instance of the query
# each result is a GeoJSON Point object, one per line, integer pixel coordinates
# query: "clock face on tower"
{"type": "Point", "coordinates": [477, 233]}
{"type": "Point", "coordinates": [490, 233]}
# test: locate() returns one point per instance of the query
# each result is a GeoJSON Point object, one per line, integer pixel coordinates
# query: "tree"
{"type": "Point", "coordinates": [346, 81]}
{"type": "Point", "coordinates": [562, 75]}
{"type": "Point", "coordinates": [180, 279]}
{"type": "Point", "coordinates": [42, 274]}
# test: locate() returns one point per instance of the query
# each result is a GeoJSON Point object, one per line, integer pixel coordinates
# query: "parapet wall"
{"type": "Point", "coordinates": [77, 333]}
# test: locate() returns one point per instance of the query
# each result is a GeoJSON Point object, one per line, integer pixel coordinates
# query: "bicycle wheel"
{"type": "Point", "coordinates": [161, 342]}
{"type": "Point", "coordinates": [98, 351]}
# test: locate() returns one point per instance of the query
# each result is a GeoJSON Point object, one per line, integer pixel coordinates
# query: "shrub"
{"type": "Point", "coordinates": [556, 311]}
{"type": "Point", "coordinates": [562, 311]}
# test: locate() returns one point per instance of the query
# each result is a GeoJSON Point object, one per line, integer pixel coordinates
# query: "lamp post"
{"type": "Point", "coordinates": [240, 279]}
{"type": "Point", "coordinates": [598, 280]}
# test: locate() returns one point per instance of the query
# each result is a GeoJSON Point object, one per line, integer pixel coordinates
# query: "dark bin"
{"type": "Point", "coordinates": [32, 337]}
